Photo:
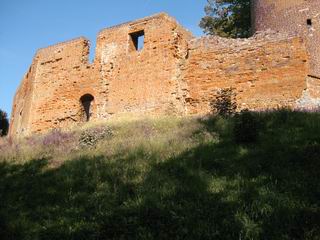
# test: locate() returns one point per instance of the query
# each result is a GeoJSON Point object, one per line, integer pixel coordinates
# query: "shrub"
{"type": "Point", "coordinates": [91, 137]}
{"type": "Point", "coordinates": [246, 127]}
{"type": "Point", "coordinates": [225, 102]}
{"type": "Point", "coordinates": [4, 123]}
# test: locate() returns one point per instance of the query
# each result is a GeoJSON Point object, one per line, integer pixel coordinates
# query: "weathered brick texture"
{"type": "Point", "coordinates": [146, 80]}
{"type": "Point", "coordinates": [174, 73]}
{"type": "Point", "coordinates": [266, 72]}
{"type": "Point", "coordinates": [58, 77]}
{"type": "Point", "coordinates": [301, 17]}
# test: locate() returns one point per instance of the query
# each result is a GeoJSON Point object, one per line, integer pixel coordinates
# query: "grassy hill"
{"type": "Point", "coordinates": [166, 178]}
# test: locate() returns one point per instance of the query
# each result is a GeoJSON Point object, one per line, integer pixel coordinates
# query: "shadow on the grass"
{"type": "Point", "coordinates": [267, 190]}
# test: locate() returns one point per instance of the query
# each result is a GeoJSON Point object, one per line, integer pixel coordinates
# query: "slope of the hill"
{"type": "Point", "coordinates": [167, 178]}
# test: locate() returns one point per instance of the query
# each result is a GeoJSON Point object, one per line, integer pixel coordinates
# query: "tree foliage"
{"type": "Point", "coordinates": [4, 123]}
{"type": "Point", "coordinates": [227, 18]}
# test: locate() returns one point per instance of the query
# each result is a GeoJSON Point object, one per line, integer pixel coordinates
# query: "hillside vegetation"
{"type": "Point", "coordinates": [166, 178]}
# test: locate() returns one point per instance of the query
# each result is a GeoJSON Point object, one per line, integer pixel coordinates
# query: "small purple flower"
{"type": "Point", "coordinates": [57, 138]}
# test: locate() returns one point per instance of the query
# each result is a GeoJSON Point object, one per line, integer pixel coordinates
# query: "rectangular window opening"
{"type": "Point", "coordinates": [309, 22]}
{"type": "Point", "coordinates": [137, 39]}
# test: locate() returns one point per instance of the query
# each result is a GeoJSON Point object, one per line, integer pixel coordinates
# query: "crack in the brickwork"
{"type": "Point", "coordinates": [51, 61]}
{"type": "Point", "coordinates": [180, 53]}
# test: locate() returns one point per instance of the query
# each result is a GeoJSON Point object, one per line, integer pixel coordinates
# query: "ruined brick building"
{"type": "Point", "coordinates": [154, 66]}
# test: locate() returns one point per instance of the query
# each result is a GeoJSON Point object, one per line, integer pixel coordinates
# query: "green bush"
{"type": "Point", "coordinates": [90, 137]}
{"type": "Point", "coordinates": [4, 123]}
{"type": "Point", "coordinates": [246, 127]}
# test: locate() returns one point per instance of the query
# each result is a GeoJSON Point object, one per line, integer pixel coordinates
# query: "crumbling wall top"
{"type": "Point", "coordinates": [139, 21]}
{"type": "Point", "coordinates": [259, 38]}
{"type": "Point", "coordinates": [72, 51]}
{"type": "Point", "coordinates": [61, 44]}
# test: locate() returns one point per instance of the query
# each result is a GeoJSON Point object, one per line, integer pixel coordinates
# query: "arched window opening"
{"type": "Point", "coordinates": [86, 104]}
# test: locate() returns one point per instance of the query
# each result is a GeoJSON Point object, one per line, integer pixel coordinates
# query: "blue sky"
{"type": "Point", "coordinates": [26, 25]}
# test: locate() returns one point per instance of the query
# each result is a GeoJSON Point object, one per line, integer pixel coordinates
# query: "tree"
{"type": "Point", "coordinates": [4, 123]}
{"type": "Point", "coordinates": [227, 18]}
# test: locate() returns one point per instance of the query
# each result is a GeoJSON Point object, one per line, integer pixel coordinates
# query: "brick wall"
{"type": "Point", "coordinates": [173, 73]}
{"type": "Point", "coordinates": [292, 16]}
{"type": "Point", "coordinates": [145, 80]}
{"type": "Point", "coordinates": [59, 76]}
{"type": "Point", "coordinates": [267, 71]}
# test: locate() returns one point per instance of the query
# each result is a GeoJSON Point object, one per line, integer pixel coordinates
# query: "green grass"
{"type": "Point", "coordinates": [167, 178]}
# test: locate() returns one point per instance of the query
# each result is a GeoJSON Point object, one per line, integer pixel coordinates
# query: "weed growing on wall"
{"type": "Point", "coordinates": [225, 102]}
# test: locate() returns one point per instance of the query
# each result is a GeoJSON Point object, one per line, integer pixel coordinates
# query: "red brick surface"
{"type": "Point", "coordinates": [266, 71]}
{"type": "Point", "coordinates": [291, 16]}
{"type": "Point", "coordinates": [174, 73]}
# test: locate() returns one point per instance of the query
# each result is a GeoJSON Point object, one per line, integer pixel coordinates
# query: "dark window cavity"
{"type": "Point", "coordinates": [309, 22]}
{"type": "Point", "coordinates": [86, 105]}
{"type": "Point", "coordinates": [137, 39]}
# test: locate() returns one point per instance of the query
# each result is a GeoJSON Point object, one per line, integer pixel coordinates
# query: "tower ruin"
{"type": "Point", "coordinates": [299, 17]}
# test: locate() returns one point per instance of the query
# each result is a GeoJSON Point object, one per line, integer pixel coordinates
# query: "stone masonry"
{"type": "Point", "coordinates": [300, 17]}
{"type": "Point", "coordinates": [172, 73]}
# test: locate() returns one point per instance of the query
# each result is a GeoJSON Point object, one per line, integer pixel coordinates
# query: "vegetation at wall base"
{"type": "Point", "coordinates": [167, 178]}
